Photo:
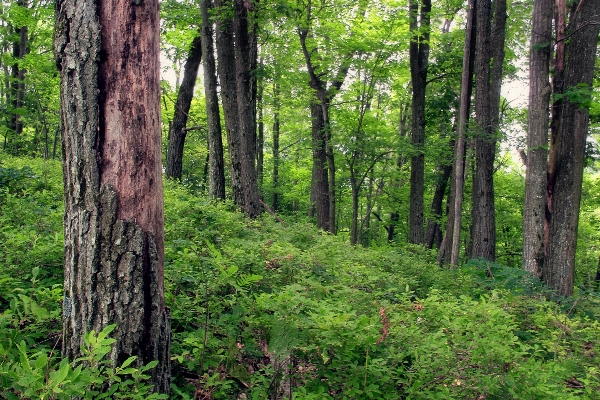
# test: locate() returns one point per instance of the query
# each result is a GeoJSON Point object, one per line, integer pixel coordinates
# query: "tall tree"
{"type": "Point", "coordinates": [540, 52]}
{"type": "Point", "coordinates": [17, 84]}
{"type": "Point", "coordinates": [237, 56]}
{"type": "Point", "coordinates": [419, 59]}
{"type": "Point", "coordinates": [276, 133]}
{"type": "Point", "coordinates": [325, 85]}
{"type": "Point", "coordinates": [449, 249]}
{"type": "Point", "coordinates": [178, 131]}
{"type": "Point", "coordinates": [110, 115]}
{"type": "Point", "coordinates": [323, 172]}
{"type": "Point", "coordinates": [574, 72]}
{"type": "Point", "coordinates": [488, 78]}
{"type": "Point", "coordinates": [216, 167]}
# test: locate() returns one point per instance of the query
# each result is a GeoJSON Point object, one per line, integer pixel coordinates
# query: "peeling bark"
{"type": "Point", "coordinates": [110, 114]}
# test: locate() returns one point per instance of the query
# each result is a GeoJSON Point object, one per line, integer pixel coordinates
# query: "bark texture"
{"type": "Point", "coordinates": [227, 80]}
{"type": "Point", "coordinates": [483, 218]}
{"type": "Point", "coordinates": [235, 49]}
{"type": "Point", "coordinates": [216, 167]}
{"type": "Point", "coordinates": [450, 247]}
{"type": "Point", "coordinates": [185, 95]}
{"type": "Point", "coordinates": [245, 62]}
{"type": "Point", "coordinates": [108, 59]}
{"type": "Point", "coordinates": [419, 59]}
{"type": "Point", "coordinates": [276, 131]}
{"type": "Point", "coordinates": [567, 147]}
{"type": "Point", "coordinates": [537, 137]}
{"type": "Point", "coordinates": [319, 191]}
{"type": "Point", "coordinates": [17, 85]}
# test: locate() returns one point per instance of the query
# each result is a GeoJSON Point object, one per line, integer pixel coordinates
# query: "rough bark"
{"type": "Point", "coordinates": [449, 249]}
{"type": "Point", "coordinates": [227, 80]}
{"type": "Point", "coordinates": [260, 133]}
{"type": "Point", "coordinates": [320, 180]}
{"type": "Point", "coordinates": [245, 62]}
{"type": "Point", "coordinates": [483, 224]}
{"type": "Point", "coordinates": [276, 129]}
{"type": "Point", "coordinates": [237, 56]}
{"type": "Point", "coordinates": [178, 132]}
{"type": "Point", "coordinates": [216, 168]}
{"type": "Point", "coordinates": [567, 146]}
{"type": "Point", "coordinates": [17, 85]}
{"type": "Point", "coordinates": [419, 59]}
{"type": "Point", "coordinates": [110, 116]}
{"type": "Point", "coordinates": [433, 234]}
{"type": "Point", "coordinates": [536, 161]}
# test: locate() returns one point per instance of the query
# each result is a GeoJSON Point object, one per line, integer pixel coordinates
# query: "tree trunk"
{"type": "Point", "coordinates": [567, 146]}
{"type": "Point", "coordinates": [227, 80]}
{"type": "Point", "coordinates": [449, 249]}
{"type": "Point", "coordinates": [540, 90]}
{"type": "Point", "coordinates": [260, 137]}
{"type": "Point", "coordinates": [434, 232]}
{"type": "Point", "coordinates": [319, 182]}
{"type": "Point", "coordinates": [185, 95]}
{"type": "Point", "coordinates": [483, 218]}
{"type": "Point", "coordinates": [17, 92]}
{"type": "Point", "coordinates": [276, 108]}
{"type": "Point", "coordinates": [216, 168]}
{"type": "Point", "coordinates": [110, 102]}
{"type": "Point", "coordinates": [419, 58]}
{"type": "Point", "coordinates": [245, 61]}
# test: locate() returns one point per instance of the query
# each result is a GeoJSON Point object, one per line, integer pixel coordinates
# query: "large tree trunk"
{"type": "Point", "coordinates": [320, 181]}
{"type": "Point", "coordinates": [260, 133]}
{"type": "Point", "coordinates": [540, 52]}
{"type": "Point", "coordinates": [450, 247]}
{"type": "Point", "coordinates": [483, 228]}
{"type": "Point", "coordinates": [245, 62]}
{"type": "Point", "coordinates": [178, 130]}
{"type": "Point", "coordinates": [216, 168]}
{"type": "Point", "coordinates": [237, 54]}
{"type": "Point", "coordinates": [567, 147]}
{"type": "Point", "coordinates": [110, 112]}
{"type": "Point", "coordinates": [227, 80]}
{"type": "Point", "coordinates": [419, 58]}
{"type": "Point", "coordinates": [17, 92]}
{"type": "Point", "coordinates": [276, 126]}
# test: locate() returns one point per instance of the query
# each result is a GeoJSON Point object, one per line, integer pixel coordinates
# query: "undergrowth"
{"type": "Point", "coordinates": [265, 310]}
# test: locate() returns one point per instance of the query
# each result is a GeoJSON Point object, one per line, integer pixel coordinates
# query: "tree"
{"type": "Point", "coordinates": [419, 58]}
{"type": "Point", "coordinates": [178, 131]}
{"type": "Point", "coordinates": [537, 137]}
{"type": "Point", "coordinates": [236, 51]}
{"type": "Point", "coordinates": [488, 76]}
{"type": "Point", "coordinates": [574, 72]}
{"type": "Point", "coordinates": [17, 86]}
{"type": "Point", "coordinates": [216, 168]}
{"type": "Point", "coordinates": [113, 179]}
{"type": "Point", "coordinates": [449, 249]}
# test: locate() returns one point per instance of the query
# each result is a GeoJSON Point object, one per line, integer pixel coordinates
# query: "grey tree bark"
{"type": "Point", "coordinates": [487, 93]}
{"type": "Point", "coordinates": [110, 114]}
{"type": "Point", "coordinates": [567, 144]}
{"type": "Point", "coordinates": [17, 85]}
{"type": "Point", "coordinates": [540, 53]}
{"type": "Point", "coordinates": [216, 164]}
{"type": "Point", "coordinates": [178, 131]}
{"type": "Point", "coordinates": [419, 59]}
{"type": "Point", "coordinates": [235, 54]}
{"type": "Point", "coordinates": [449, 249]}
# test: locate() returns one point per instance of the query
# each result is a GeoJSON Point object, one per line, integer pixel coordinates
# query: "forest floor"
{"type": "Point", "coordinates": [265, 310]}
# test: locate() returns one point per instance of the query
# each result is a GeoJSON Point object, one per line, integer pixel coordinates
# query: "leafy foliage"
{"type": "Point", "coordinates": [258, 305]}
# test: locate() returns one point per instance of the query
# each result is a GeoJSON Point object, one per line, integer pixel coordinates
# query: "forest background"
{"type": "Point", "coordinates": [338, 142]}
